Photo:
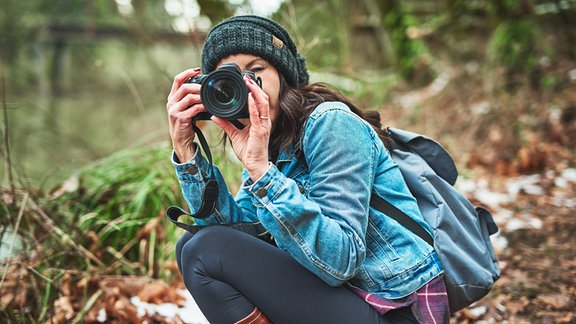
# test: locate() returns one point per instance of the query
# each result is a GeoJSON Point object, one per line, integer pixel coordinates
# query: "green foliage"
{"type": "Point", "coordinates": [408, 53]}
{"type": "Point", "coordinates": [216, 10]}
{"type": "Point", "coordinates": [504, 10]}
{"type": "Point", "coordinates": [122, 183]}
{"type": "Point", "coordinates": [13, 28]}
{"type": "Point", "coordinates": [327, 47]}
{"type": "Point", "coordinates": [116, 206]}
{"type": "Point", "coordinates": [121, 200]}
{"type": "Point", "coordinates": [549, 82]}
{"type": "Point", "coordinates": [370, 92]}
{"type": "Point", "coordinates": [514, 45]}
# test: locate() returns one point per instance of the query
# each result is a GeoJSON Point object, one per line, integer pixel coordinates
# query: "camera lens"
{"type": "Point", "coordinates": [224, 94]}
{"type": "Point", "coordinates": [223, 91]}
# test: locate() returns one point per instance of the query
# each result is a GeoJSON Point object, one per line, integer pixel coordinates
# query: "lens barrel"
{"type": "Point", "coordinates": [224, 92]}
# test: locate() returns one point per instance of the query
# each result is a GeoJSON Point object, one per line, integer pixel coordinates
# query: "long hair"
{"type": "Point", "coordinates": [296, 105]}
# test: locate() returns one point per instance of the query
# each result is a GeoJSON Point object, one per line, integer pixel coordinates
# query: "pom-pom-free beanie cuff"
{"type": "Point", "coordinates": [258, 36]}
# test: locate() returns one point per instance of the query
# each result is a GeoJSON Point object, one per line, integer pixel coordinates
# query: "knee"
{"type": "Point", "coordinates": [204, 243]}
{"type": "Point", "coordinates": [197, 253]}
{"type": "Point", "coordinates": [179, 246]}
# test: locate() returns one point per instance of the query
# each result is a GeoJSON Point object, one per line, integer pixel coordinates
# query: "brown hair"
{"type": "Point", "coordinates": [296, 105]}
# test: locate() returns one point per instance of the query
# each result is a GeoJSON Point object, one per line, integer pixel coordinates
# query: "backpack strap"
{"type": "Point", "coordinates": [404, 140]}
{"type": "Point", "coordinates": [400, 139]}
{"type": "Point", "coordinates": [396, 214]}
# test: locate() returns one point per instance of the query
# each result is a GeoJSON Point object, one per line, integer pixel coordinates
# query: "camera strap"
{"type": "Point", "coordinates": [209, 195]}
{"type": "Point", "coordinates": [209, 201]}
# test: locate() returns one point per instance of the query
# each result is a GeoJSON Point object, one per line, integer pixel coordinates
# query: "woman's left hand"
{"type": "Point", "coordinates": [250, 144]}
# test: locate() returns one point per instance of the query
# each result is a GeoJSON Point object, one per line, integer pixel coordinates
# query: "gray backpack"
{"type": "Point", "coordinates": [460, 231]}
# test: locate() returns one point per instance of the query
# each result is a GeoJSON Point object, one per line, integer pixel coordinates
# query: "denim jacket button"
{"type": "Point", "coordinates": [192, 170]}
{"type": "Point", "coordinates": [301, 189]}
{"type": "Point", "coordinates": [261, 192]}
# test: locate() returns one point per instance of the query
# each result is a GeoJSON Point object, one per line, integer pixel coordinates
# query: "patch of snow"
{"type": "Point", "coordinates": [102, 316]}
{"type": "Point", "coordinates": [503, 214]}
{"type": "Point", "coordinates": [530, 184]}
{"type": "Point", "coordinates": [572, 74]}
{"type": "Point", "coordinates": [478, 311]}
{"type": "Point", "coordinates": [190, 313]}
{"type": "Point", "coordinates": [569, 175]}
{"type": "Point", "coordinates": [491, 198]}
{"type": "Point", "coordinates": [535, 223]}
{"type": "Point", "coordinates": [527, 184]}
{"type": "Point", "coordinates": [514, 225]}
{"type": "Point", "coordinates": [466, 185]}
{"type": "Point", "coordinates": [499, 241]}
{"type": "Point", "coordinates": [527, 221]}
{"type": "Point", "coordinates": [10, 244]}
{"type": "Point", "coordinates": [563, 202]}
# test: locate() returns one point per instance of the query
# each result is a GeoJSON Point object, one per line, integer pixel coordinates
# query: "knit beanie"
{"type": "Point", "coordinates": [258, 36]}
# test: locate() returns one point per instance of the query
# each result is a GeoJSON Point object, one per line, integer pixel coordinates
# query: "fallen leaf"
{"type": "Point", "coordinates": [517, 306]}
{"type": "Point", "coordinates": [556, 301]}
{"type": "Point", "coordinates": [63, 305]}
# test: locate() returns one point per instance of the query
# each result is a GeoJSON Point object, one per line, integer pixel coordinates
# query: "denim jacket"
{"type": "Point", "coordinates": [317, 206]}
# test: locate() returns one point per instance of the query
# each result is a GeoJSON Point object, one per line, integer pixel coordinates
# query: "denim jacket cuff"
{"type": "Point", "coordinates": [265, 187]}
{"type": "Point", "coordinates": [195, 169]}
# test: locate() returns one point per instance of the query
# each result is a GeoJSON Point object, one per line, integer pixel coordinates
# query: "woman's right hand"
{"type": "Point", "coordinates": [183, 104]}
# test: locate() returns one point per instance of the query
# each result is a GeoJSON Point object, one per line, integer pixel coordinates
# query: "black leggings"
{"type": "Point", "coordinates": [229, 273]}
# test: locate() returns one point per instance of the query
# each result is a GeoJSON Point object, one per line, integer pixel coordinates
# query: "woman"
{"type": "Point", "coordinates": [311, 162]}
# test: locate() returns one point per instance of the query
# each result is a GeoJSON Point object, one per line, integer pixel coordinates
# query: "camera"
{"type": "Point", "coordinates": [224, 92]}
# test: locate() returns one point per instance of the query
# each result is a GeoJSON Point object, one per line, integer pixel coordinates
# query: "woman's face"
{"type": "Point", "coordinates": [264, 70]}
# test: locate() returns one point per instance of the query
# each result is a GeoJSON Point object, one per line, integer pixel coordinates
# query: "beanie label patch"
{"type": "Point", "coordinates": [277, 42]}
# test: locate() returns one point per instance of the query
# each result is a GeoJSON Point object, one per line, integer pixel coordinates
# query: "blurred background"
{"type": "Point", "coordinates": [85, 173]}
{"type": "Point", "coordinates": [83, 79]}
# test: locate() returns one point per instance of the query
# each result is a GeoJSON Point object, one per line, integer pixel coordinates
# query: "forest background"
{"type": "Point", "coordinates": [85, 172]}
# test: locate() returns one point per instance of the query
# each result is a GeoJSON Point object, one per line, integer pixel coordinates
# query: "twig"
{"type": "Point", "coordinates": [119, 255]}
{"type": "Point", "coordinates": [89, 304]}
{"type": "Point", "coordinates": [120, 259]}
{"type": "Point", "coordinates": [6, 129]}
{"type": "Point", "coordinates": [49, 223]}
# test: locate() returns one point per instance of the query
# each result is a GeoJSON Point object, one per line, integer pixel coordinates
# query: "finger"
{"type": "Point", "coordinates": [191, 99]}
{"type": "Point", "coordinates": [182, 77]}
{"type": "Point", "coordinates": [259, 95]}
{"type": "Point", "coordinates": [253, 110]}
{"type": "Point", "coordinates": [181, 90]}
{"type": "Point", "coordinates": [258, 99]}
{"type": "Point", "coordinates": [180, 104]}
{"type": "Point", "coordinates": [182, 121]}
{"type": "Point", "coordinates": [226, 125]}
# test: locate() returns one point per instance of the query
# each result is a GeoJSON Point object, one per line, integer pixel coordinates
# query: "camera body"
{"type": "Point", "coordinates": [224, 92]}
